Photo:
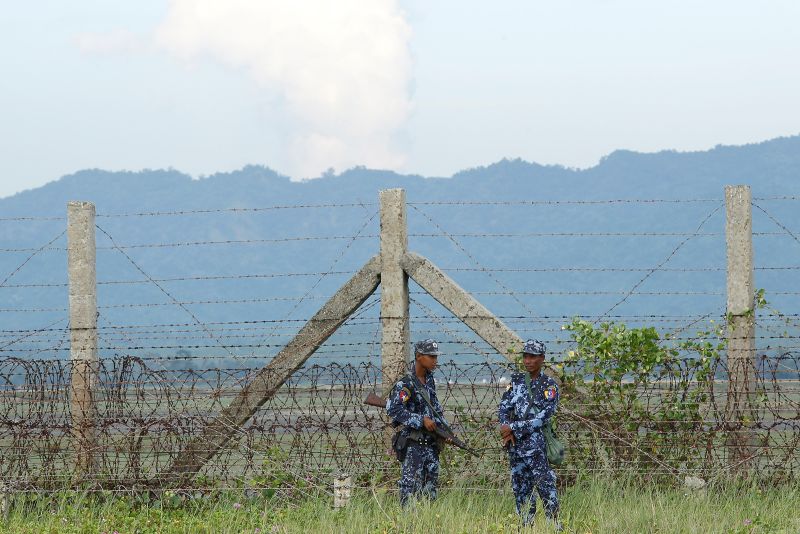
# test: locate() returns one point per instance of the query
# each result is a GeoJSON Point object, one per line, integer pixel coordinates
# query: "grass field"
{"type": "Point", "coordinates": [590, 506]}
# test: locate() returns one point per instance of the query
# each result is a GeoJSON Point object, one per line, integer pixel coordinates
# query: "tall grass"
{"type": "Point", "coordinates": [590, 506]}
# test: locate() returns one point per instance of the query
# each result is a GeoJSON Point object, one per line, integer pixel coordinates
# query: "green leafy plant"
{"type": "Point", "coordinates": [642, 396]}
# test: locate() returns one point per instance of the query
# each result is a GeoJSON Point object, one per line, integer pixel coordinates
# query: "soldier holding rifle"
{"type": "Point", "coordinates": [413, 406]}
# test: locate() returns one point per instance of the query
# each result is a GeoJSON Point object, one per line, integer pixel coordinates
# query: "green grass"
{"type": "Point", "coordinates": [590, 506]}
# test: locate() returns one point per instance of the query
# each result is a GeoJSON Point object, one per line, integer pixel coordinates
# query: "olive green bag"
{"type": "Point", "coordinates": [555, 448]}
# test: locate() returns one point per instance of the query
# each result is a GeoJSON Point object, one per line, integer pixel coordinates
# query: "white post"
{"type": "Point", "coordinates": [741, 319]}
{"type": "Point", "coordinates": [5, 502]}
{"type": "Point", "coordinates": [342, 488]}
{"type": "Point", "coordinates": [83, 330]}
{"type": "Point", "coordinates": [395, 342]}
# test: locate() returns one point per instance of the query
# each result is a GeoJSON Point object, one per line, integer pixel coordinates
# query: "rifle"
{"type": "Point", "coordinates": [374, 400]}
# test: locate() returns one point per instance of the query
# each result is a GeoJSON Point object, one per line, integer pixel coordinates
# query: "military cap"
{"type": "Point", "coordinates": [428, 347]}
{"type": "Point", "coordinates": [535, 347]}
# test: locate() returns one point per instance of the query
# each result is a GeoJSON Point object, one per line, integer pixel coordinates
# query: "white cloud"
{"type": "Point", "coordinates": [112, 42]}
{"type": "Point", "coordinates": [342, 68]}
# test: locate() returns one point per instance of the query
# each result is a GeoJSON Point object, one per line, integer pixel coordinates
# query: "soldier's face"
{"type": "Point", "coordinates": [427, 361]}
{"type": "Point", "coordinates": [533, 363]}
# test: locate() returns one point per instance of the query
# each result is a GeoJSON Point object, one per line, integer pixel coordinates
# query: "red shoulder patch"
{"type": "Point", "coordinates": [404, 395]}
{"type": "Point", "coordinates": [550, 393]}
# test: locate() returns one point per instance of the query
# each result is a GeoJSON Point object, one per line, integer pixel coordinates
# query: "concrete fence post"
{"type": "Point", "coordinates": [342, 489]}
{"type": "Point", "coordinates": [741, 322]}
{"type": "Point", "coordinates": [395, 342]}
{"type": "Point", "coordinates": [83, 332]}
{"type": "Point", "coordinates": [5, 503]}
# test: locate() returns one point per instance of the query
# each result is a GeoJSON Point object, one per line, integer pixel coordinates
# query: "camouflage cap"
{"type": "Point", "coordinates": [535, 347]}
{"type": "Point", "coordinates": [427, 346]}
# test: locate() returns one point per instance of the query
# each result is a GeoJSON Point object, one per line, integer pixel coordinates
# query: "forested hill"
{"type": "Point", "coordinates": [523, 274]}
{"type": "Point", "coordinates": [770, 168]}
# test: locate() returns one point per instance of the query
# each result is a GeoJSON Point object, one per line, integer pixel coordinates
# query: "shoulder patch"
{"type": "Point", "coordinates": [550, 393]}
{"type": "Point", "coordinates": [404, 395]}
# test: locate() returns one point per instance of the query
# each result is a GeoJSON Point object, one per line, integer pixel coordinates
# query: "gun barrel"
{"type": "Point", "coordinates": [452, 438]}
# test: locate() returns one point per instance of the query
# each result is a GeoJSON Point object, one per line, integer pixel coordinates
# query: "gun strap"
{"type": "Point", "coordinates": [532, 402]}
{"type": "Point", "coordinates": [424, 394]}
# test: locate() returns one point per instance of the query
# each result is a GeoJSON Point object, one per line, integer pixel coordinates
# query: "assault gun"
{"type": "Point", "coordinates": [374, 400]}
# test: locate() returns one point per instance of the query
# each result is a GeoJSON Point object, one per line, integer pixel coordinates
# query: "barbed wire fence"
{"type": "Point", "coordinates": [176, 346]}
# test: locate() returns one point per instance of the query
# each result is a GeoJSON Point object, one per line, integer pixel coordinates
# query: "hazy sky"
{"type": "Point", "coordinates": [420, 86]}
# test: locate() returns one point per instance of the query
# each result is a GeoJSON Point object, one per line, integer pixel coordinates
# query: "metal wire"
{"type": "Point", "coordinates": [317, 424]}
{"type": "Point", "coordinates": [235, 210]}
{"type": "Point", "coordinates": [150, 402]}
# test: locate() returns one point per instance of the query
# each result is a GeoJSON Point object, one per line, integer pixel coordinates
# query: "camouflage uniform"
{"type": "Point", "coordinates": [527, 457]}
{"type": "Point", "coordinates": [405, 405]}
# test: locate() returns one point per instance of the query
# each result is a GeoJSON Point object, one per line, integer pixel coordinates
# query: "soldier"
{"type": "Point", "coordinates": [529, 402]}
{"type": "Point", "coordinates": [414, 407]}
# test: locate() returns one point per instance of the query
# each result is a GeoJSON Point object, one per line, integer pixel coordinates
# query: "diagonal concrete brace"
{"type": "Point", "coordinates": [464, 306]}
{"type": "Point", "coordinates": [264, 385]}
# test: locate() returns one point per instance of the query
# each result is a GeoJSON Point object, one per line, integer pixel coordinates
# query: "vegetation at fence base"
{"type": "Point", "coordinates": [642, 397]}
{"type": "Point", "coordinates": [594, 505]}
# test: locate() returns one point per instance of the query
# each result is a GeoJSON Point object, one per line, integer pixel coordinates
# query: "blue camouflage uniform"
{"type": "Point", "coordinates": [527, 456]}
{"type": "Point", "coordinates": [405, 405]}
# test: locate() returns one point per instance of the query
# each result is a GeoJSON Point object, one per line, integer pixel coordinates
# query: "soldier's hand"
{"type": "Point", "coordinates": [428, 423]}
{"type": "Point", "coordinates": [507, 435]}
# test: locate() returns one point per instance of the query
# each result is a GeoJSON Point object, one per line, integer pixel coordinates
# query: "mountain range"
{"type": "Point", "coordinates": [636, 236]}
